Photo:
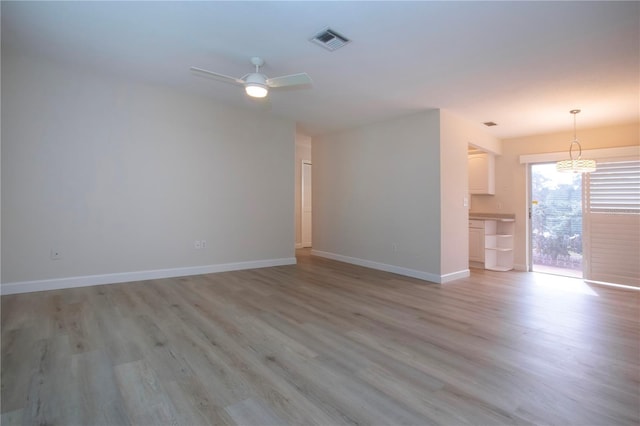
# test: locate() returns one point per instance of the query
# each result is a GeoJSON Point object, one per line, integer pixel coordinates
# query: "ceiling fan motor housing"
{"type": "Point", "coordinates": [256, 78]}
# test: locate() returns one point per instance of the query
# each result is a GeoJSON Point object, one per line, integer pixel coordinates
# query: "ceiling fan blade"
{"type": "Point", "coordinates": [290, 80]}
{"type": "Point", "coordinates": [222, 77]}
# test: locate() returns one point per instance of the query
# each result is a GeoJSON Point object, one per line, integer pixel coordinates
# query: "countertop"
{"type": "Point", "coordinates": [491, 216]}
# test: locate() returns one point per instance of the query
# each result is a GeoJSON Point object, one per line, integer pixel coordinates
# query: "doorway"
{"type": "Point", "coordinates": [306, 204]}
{"type": "Point", "coordinates": [556, 221]}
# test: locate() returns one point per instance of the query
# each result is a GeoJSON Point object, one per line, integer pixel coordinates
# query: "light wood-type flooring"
{"type": "Point", "coordinates": [323, 343]}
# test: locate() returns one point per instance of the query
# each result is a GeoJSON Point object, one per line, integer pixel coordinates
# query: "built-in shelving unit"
{"type": "Point", "coordinates": [498, 244]}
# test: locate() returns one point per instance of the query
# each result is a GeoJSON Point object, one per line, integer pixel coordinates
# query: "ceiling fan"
{"type": "Point", "coordinates": [256, 84]}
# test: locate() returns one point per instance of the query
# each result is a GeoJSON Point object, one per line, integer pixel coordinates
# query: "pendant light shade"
{"type": "Point", "coordinates": [575, 165]}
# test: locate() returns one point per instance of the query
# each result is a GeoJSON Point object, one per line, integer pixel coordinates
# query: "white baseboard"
{"type": "Point", "coordinates": [299, 245]}
{"type": "Point", "coordinates": [427, 276]}
{"type": "Point", "coordinates": [85, 281]}
{"type": "Point", "coordinates": [452, 276]}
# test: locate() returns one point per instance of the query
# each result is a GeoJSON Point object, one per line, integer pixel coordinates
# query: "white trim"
{"type": "Point", "coordinates": [303, 243]}
{"type": "Point", "coordinates": [427, 276]}
{"type": "Point", "coordinates": [299, 245]}
{"type": "Point", "coordinates": [452, 276]}
{"type": "Point", "coordinates": [622, 151]}
{"type": "Point", "coordinates": [85, 281]}
{"type": "Point", "coordinates": [528, 208]}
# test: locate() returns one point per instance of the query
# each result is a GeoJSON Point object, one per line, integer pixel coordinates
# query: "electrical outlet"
{"type": "Point", "coordinates": [55, 254]}
{"type": "Point", "coordinates": [197, 244]}
{"type": "Point", "coordinates": [394, 247]}
{"type": "Point", "coordinates": [203, 244]}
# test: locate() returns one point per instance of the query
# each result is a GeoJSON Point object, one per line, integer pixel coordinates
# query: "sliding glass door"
{"type": "Point", "coordinates": [556, 221]}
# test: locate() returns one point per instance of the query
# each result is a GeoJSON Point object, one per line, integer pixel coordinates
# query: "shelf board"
{"type": "Point", "coordinates": [499, 268]}
{"type": "Point", "coordinates": [498, 248]}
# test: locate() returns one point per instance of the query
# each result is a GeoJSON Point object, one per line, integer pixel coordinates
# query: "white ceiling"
{"type": "Point", "coordinates": [523, 65]}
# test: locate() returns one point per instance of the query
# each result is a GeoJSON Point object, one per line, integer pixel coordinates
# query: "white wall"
{"type": "Point", "coordinates": [391, 195]}
{"type": "Point", "coordinates": [511, 182]}
{"type": "Point", "coordinates": [124, 177]}
{"type": "Point", "coordinates": [303, 153]}
{"type": "Point", "coordinates": [376, 192]}
{"type": "Point", "coordinates": [455, 136]}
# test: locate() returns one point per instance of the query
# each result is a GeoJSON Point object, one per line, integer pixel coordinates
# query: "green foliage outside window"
{"type": "Point", "coordinates": [556, 217]}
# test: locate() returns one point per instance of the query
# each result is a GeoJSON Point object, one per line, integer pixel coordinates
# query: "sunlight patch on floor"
{"type": "Point", "coordinates": [560, 284]}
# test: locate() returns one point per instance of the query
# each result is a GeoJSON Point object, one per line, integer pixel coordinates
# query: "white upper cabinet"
{"type": "Point", "coordinates": [482, 175]}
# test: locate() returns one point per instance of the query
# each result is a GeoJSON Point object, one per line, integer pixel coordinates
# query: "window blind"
{"type": "Point", "coordinates": [615, 187]}
{"type": "Point", "coordinates": [612, 222]}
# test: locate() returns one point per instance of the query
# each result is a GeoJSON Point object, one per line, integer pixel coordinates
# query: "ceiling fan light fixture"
{"type": "Point", "coordinates": [256, 90]}
{"type": "Point", "coordinates": [575, 165]}
{"type": "Point", "coordinates": [256, 84]}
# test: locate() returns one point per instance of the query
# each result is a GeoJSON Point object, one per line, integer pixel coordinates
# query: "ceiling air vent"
{"type": "Point", "coordinates": [330, 39]}
{"type": "Point", "coordinates": [490, 123]}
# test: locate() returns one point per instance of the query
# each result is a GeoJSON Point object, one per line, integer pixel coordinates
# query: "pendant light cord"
{"type": "Point", "coordinates": [575, 136]}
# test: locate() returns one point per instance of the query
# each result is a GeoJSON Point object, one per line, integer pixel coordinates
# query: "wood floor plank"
{"type": "Point", "coordinates": [327, 343]}
{"type": "Point", "coordinates": [21, 357]}
{"type": "Point", "coordinates": [251, 412]}
{"type": "Point", "coordinates": [146, 400]}
{"type": "Point", "coordinates": [94, 386]}
{"type": "Point", "coordinates": [11, 418]}
{"type": "Point", "coordinates": [49, 397]}
{"type": "Point", "coordinates": [195, 405]}
{"type": "Point", "coordinates": [243, 370]}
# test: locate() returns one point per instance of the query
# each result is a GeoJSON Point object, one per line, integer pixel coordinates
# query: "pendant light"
{"type": "Point", "coordinates": [575, 165]}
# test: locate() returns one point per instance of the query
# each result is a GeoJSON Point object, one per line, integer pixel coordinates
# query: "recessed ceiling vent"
{"type": "Point", "coordinates": [490, 123]}
{"type": "Point", "coordinates": [330, 39]}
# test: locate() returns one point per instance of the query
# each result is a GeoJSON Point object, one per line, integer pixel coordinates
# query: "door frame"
{"type": "Point", "coordinates": [529, 221]}
{"type": "Point", "coordinates": [302, 202]}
